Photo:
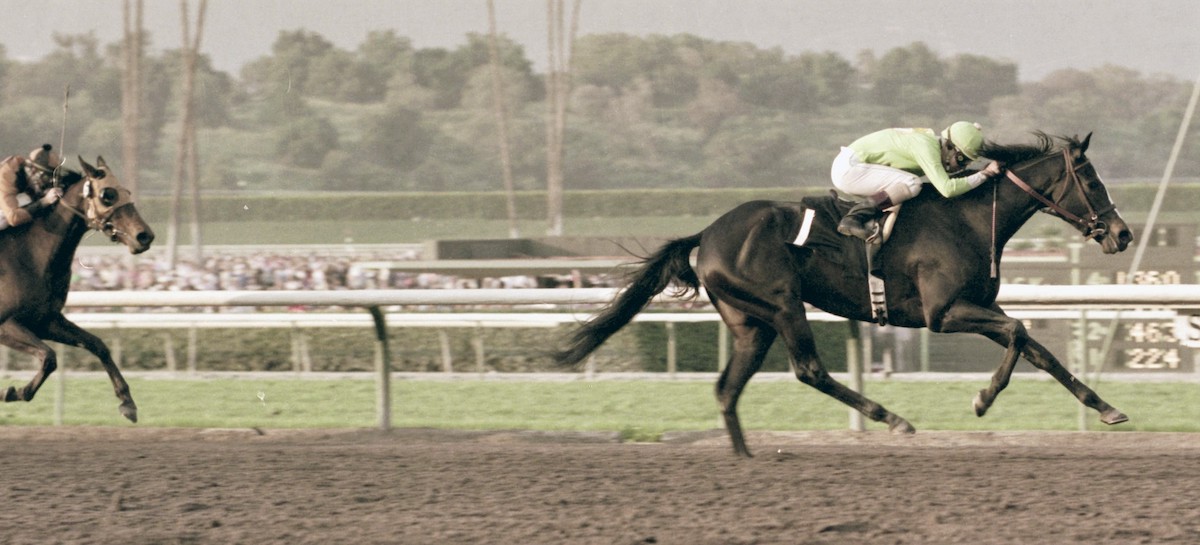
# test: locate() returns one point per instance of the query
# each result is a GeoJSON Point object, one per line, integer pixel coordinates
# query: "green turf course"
{"type": "Point", "coordinates": [640, 410]}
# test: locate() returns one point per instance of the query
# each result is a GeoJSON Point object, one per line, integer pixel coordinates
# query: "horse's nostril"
{"type": "Point", "coordinates": [145, 238]}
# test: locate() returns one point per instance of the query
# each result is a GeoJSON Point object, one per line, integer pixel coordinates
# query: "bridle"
{"type": "Point", "coordinates": [1091, 226]}
{"type": "Point", "coordinates": [99, 207]}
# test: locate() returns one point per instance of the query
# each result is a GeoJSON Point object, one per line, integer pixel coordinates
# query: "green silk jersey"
{"type": "Point", "coordinates": [916, 151]}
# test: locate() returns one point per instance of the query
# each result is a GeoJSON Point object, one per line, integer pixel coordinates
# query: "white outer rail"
{"type": "Point", "coordinates": [1107, 296]}
{"type": "Point", "coordinates": [1016, 295]}
{"type": "Point", "coordinates": [288, 320]}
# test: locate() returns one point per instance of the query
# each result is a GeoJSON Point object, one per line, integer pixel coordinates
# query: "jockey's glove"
{"type": "Point", "coordinates": [51, 196]}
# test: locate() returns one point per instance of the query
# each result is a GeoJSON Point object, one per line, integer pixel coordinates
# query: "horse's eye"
{"type": "Point", "coordinates": [109, 196]}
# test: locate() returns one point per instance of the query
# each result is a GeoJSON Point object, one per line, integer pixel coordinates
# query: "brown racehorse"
{"type": "Point", "coordinates": [936, 267]}
{"type": "Point", "coordinates": [35, 272]}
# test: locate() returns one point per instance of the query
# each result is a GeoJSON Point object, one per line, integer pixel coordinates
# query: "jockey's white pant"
{"type": "Point", "coordinates": [855, 177]}
{"type": "Point", "coordinates": [23, 200]}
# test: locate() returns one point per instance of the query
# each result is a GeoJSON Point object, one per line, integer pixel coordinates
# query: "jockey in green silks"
{"type": "Point", "coordinates": [889, 166]}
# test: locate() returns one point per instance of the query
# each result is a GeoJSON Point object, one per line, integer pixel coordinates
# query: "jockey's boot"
{"type": "Point", "coordinates": [856, 220]}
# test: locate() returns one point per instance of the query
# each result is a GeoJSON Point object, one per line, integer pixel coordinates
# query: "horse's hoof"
{"type": "Point", "coordinates": [1113, 416]}
{"type": "Point", "coordinates": [902, 427]}
{"type": "Point", "coordinates": [11, 395]}
{"type": "Point", "coordinates": [978, 404]}
{"type": "Point", "coordinates": [129, 410]}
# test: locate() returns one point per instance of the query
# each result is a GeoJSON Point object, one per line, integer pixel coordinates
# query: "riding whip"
{"type": "Point", "coordinates": [62, 136]}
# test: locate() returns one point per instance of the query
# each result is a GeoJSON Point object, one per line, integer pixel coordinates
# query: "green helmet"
{"type": "Point", "coordinates": [965, 136]}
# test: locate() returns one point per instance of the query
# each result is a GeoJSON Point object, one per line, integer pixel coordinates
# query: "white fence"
{"type": "Point", "coordinates": [1012, 296]}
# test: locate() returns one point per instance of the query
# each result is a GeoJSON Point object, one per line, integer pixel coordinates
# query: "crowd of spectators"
{"type": "Point", "coordinates": [282, 271]}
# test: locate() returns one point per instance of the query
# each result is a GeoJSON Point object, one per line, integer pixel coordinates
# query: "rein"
{"type": "Point", "coordinates": [1091, 227]}
{"type": "Point", "coordinates": [993, 256]}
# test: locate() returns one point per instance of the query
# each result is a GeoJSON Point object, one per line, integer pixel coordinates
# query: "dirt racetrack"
{"type": "Point", "coordinates": [145, 485]}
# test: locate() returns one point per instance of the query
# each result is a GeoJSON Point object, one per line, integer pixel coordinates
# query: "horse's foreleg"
{"type": "Point", "coordinates": [984, 399]}
{"type": "Point", "coordinates": [794, 329]}
{"type": "Point", "coordinates": [17, 337]}
{"type": "Point", "coordinates": [1011, 334]}
{"type": "Point", "coordinates": [819, 378]}
{"type": "Point", "coordinates": [992, 323]}
{"type": "Point", "coordinates": [1013, 338]}
{"type": "Point", "coordinates": [64, 331]}
{"type": "Point", "coordinates": [1041, 358]}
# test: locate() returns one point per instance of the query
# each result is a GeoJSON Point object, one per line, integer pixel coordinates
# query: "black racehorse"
{"type": "Point", "coordinates": [35, 272]}
{"type": "Point", "coordinates": [937, 267]}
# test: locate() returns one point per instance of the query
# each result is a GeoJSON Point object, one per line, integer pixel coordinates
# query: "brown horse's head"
{"type": "Point", "coordinates": [1066, 184]}
{"type": "Point", "coordinates": [109, 207]}
{"type": "Point", "coordinates": [1088, 198]}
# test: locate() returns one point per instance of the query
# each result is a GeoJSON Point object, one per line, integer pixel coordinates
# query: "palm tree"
{"type": "Point", "coordinates": [186, 151]}
{"type": "Point", "coordinates": [501, 109]}
{"type": "Point", "coordinates": [558, 87]}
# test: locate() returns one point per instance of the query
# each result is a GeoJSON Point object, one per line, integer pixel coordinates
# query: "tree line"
{"type": "Point", "coordinates": [658, 111]}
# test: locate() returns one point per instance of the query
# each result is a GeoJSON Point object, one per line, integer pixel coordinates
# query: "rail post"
{"type": "Point", "coordinates": [193, 340]}
{"type": "Point", "coordinates": [854, 367]}
{"type": "Point", "coordinates": [722, 345]}
{"type": "Point", "coordinates": [477, 344]}
{"type": "Point", "coordinates": [60, 388]}
{"type": "Point", "coordinates": [169, 351]}
{"type": "Point", "coordinates": [383, 366]}
{"type": "Point", "coordinates": [115, 343]}
{"type": "Point", "coordinates": [447, 355]}
{"type": "Point", "coordinates": [672, 344]}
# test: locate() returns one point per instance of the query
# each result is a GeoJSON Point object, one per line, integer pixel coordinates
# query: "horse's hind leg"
{"type": "Point", "coordinates": [794, 328]}
{"type": "Point", "coordinates": [17, 337]}
{"type": "Point", "coordinates": [64, 331]}
{"type": "Point", "coordinates": [751, 340]}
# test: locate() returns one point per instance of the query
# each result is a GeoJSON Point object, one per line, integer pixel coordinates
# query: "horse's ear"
{"type": "Point", "coordinates": [1084, 145]}
{"type": "Point", "coordinates": [100, 162]}
{"type": "Point", "coordinates": [88, 170]}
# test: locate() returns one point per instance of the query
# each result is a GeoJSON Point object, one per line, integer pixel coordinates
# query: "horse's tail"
{"type": "Point", "coordinates": [669, 263]}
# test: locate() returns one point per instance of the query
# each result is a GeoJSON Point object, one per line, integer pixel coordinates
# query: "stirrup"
{"type": "Point", "coordinates": [875, 287]}
{"type": "Point", "coordinates": [876, 237]}
{"type": "Point", "coordinates": [868, 231]}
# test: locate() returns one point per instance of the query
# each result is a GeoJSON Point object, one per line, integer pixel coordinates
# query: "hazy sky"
{"type": "Point", "coordinates": [1151, 36]}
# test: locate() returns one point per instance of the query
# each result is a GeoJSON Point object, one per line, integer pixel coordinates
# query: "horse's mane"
{"type": "Point", "coordinates": [69, 177]}
{"type": "Point", "coordinates": [1011, 154]}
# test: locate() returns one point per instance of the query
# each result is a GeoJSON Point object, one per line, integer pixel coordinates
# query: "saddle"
{"type": "Point", "coordinates": [882, 225]}
{"type": "Point", "coordinates": [832, 209]}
